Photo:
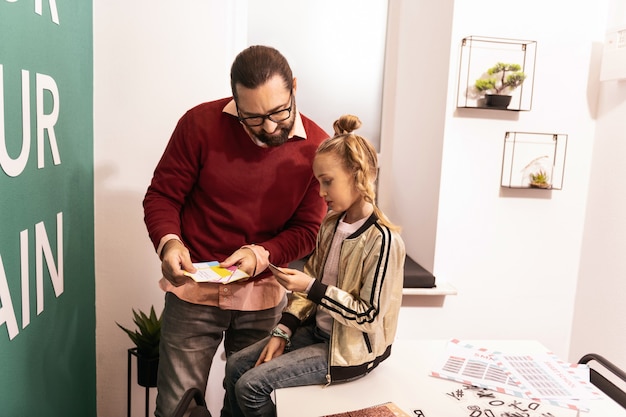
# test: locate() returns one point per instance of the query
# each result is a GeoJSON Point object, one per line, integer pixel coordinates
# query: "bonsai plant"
{"type": "Point", "coordinates": [499, 81]}
{"type": "Point", "coordinates": [146, 339]}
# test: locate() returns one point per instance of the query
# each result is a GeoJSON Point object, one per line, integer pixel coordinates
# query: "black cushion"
{"type": "Point", "coordinates": [415, 276]}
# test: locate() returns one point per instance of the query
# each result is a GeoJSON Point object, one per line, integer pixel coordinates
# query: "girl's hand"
{"type": "Point", "coordinates": [292, 279]}
{"type": "Point", "coordinates": [274, 348]}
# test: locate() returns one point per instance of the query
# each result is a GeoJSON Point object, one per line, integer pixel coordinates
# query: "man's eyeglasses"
{"type": "Point", "coordinates": [276, 116]}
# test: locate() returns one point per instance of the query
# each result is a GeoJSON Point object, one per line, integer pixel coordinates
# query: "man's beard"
{"type": "Point", "coordinates": [275, 139]}
{"type": "Point", "coordinates": [281, 135]}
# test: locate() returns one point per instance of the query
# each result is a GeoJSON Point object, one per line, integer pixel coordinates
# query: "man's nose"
{"type": "Point", "coordinates": [269, 126]}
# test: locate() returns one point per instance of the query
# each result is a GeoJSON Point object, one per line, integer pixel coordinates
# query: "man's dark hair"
{"type": "Point", "coordinates": [255, 65]}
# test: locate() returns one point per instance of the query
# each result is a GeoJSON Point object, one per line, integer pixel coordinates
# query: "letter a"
{"type": "Point", "coordinates": [7, 315]}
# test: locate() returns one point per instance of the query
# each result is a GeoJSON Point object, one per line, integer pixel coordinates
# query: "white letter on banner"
{"type": "Point", "coordinates": [7, 315]}
{"type": "Point", "coordinates": [42, 246]}
{"type": "Point", "coordinates": [53, 9]}
{"type": "Point", "coordinates": [14, 167]}
{"type": "Point", "coordinates": [47, 121]}
{"type": "Point", "coordinates": [25, 275]}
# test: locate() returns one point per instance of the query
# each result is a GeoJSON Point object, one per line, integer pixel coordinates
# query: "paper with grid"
{"type": "Point", "coordinates": [541, 377]}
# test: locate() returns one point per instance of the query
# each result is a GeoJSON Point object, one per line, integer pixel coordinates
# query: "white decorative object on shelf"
{"type": "Point", "coordinates": [614, 55]}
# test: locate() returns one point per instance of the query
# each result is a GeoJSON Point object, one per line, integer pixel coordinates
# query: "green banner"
{"type": "Point", "coordinates": [47, 280]}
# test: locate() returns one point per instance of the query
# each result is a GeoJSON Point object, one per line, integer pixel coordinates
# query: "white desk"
{"type": "Point", "coordinates": [404, 379]}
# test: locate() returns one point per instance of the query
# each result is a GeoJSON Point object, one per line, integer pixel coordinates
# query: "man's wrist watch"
{"type": "Point", "coordinates": [278, 332]}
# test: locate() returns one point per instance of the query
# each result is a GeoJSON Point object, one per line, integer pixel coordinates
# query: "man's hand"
{"type": "Point", "coordinates": [274, 348]}
{"type": "Point", "coordinates": [175, 259]}
{"type": "Point", "coordinates": [293, 279]}
{"type": "Point", "coordinates": [245, 259]}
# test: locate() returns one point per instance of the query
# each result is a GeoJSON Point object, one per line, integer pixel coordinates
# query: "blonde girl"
{"type": "Point", "coordinates": [341, 320]}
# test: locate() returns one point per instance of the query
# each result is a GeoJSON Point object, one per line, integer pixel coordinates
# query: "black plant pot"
{"type": "Point", "coordinates": [497, 101]}
{"type": "Point", "coordinates": [147, 370]}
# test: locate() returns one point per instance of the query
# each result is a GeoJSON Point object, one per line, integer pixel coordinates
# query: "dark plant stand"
{"type": "Point", "coordinates": [143, 381]}
{"type": "Point", "coordinates": [497, 101]}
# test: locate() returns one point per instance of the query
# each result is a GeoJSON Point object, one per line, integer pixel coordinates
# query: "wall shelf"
{"type": "Point", "coordinates": [478, 54]}
{"type": "Point", "coordinates": [527, 154]}
{"type": "Point", "coordinates": [442, 288]}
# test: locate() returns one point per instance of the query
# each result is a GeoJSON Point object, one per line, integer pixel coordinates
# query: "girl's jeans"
{"type": "Point", "coordinates": [249, 388]}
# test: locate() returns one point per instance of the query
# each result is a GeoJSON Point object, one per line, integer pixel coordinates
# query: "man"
{"type": "Point", "coordinates": [234, 184]}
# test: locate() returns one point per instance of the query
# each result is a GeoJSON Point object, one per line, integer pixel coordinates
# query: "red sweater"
{"type": "Point", "coordinates": [217, 190]}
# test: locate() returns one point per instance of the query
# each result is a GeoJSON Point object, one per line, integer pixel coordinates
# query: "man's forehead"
{"type": "Point", "coordinates": [263, 99]}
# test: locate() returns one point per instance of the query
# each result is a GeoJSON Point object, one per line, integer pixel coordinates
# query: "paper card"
{"type": "Point", "coordinates": [212, 272]}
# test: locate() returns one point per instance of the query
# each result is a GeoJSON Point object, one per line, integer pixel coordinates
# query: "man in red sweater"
{"type": "Point", "coordinates": [234, 184]}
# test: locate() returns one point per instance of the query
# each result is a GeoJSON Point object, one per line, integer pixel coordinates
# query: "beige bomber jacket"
{"type": "Point", "coordinates": [366, 302]}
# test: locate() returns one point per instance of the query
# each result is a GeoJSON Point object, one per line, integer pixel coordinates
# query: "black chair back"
{"type": "Point", "coordinates": [602, 382]}
{"type": "Point", "coordinates": [200, 410]}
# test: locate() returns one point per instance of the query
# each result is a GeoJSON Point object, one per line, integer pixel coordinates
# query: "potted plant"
{"type": "Point", "coordinates": [498, 83]}
{"type": "Point", "coordinates": [146, 339]}
{"type": "Point", "coordinates": [540, 179]}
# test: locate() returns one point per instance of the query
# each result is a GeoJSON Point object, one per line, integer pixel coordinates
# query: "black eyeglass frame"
{"type": "Point", "coordinates": [246, 120]}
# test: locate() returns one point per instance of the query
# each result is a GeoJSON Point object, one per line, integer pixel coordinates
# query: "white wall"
{"type": "Point", "coordinates": [598, 322]}
{"type": "Point", "coordinates": [414, 111]}
{"type": "Point", "coordinates": [152, 62]}
{"type": "Point", "coordinates": [336, 50]}
{"type": "Point", "coordinates": [514, 257]}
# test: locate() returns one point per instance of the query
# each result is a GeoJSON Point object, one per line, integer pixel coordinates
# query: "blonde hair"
{"type": "Point", "coordinates": [358, 157]}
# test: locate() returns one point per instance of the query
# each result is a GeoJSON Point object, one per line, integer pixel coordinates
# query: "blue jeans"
{"type": "Point", "coordinates": [190, 336]}
{"type": "Point", "coordinates": [248, 388]}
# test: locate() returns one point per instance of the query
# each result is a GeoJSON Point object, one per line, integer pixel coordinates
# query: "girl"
{"type": "Point", "coordinates": [342, 314]}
